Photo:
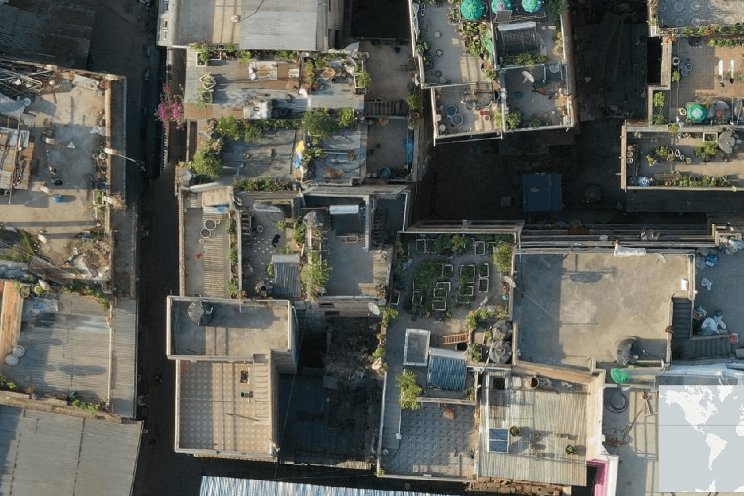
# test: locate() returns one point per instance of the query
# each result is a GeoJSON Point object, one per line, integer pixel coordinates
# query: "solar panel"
{"type": "Point", "coordinates": [498, 440]}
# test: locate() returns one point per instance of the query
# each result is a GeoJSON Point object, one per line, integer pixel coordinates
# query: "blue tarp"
{"type": "Point", "coordinates": [541, 193]}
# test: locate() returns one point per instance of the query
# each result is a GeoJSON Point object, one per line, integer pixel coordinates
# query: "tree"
{"type": "Point", "coordinates": [319, 124]}
{"type": "Point", "coordinates": [409, 390]}
{"type": "Point", "coordinates": [205, 163]}
{"type": "Point", "coordinates": [315, 273]}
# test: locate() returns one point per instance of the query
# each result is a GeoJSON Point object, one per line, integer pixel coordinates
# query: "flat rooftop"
{"type": "Point", "coordinates": [540, 103]}
{"type": "Point", "coordinates": [681, 13]}
{"type": "Point", "coordinates": [477, 106]}
{"type": "Point", "coordinates": [72, 114]}
{"type": "Point", "coordinates": [225, 408]}
{"type": "Point", "coordinates": [236, 82]}
{"type": "Point", "coordinates": [272, 157]}
{"type": "Point", "coordinates": [262, 212]}
{"type": "Point", "coordinates": [438, 439]}
{"type": "Point", "coordinates": [238, 329]}
{"type": "Point", "coordinates": [67, 344]}
{"type": "Point", "coordinates": [678, 160]}
{"type": "Point", "coordinates": [635, 442]}
{"type": "Point", "coordinates": [427, 426]}
{"type": "Point", "coordinates": [207, 21]}
{"type": "Point", "coordinates": [450, 62]}
{"type": "Point", "coordinates": [537, 453]}
{"type": "Point", "coordinates": [574, 308]}
{"type": "Point", "coordinates": [355, 271]}
{"type": "Point", "coordinates": [205, 267]}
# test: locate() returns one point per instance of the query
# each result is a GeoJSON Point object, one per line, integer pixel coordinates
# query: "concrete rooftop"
{"type": "Point", "coordinates": [206, 266]}
{"type": "Point", "coordinates": [450, 62]}
{"type": "Point", "coordinates": [680, 13]}
{"type": "Point", "coordinates": [207, 21]}
{"type": "Point", "coordinates": [435, 444]}
{"type": "Point", "coordinates": [446, 462]}
{"type": "Point", "coordinates": [703, 82]}
{"type": "Point", "coordinates": [239, 329]}
{"type": "Point", "coordinates": [224, 408]}
{"type": "Point", "coordinates": [73, 112]}
{"type": "Point", "coordinates": [571, 309]}
{"type": "Point", "coordinates": [647, 143]}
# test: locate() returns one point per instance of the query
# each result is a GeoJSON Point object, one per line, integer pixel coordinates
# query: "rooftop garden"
{"type": "Point", "coordinates": [322, 69]}
{"type": "Point", "coordinates": [230, 51]}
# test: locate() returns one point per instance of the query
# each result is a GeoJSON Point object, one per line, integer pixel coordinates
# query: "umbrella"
{"type": "Point", "coordinates": [696, 112]}
{"type": "Point", "coordinates": [531, 6]}
{"type": "Point", "coordinates": [471, 9]}
{"type": "Point", "coordinates": [620, 376]}
{"type": "Point", "coordinates": [497, 5]}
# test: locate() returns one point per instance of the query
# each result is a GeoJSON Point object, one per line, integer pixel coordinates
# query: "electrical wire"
{"type": "Point", "coordinates": [255, 11]}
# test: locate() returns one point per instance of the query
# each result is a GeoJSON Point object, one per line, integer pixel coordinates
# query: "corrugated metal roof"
{"type": "Point", "coordinates": [56, 455]}
{"type": "Point", "coordinates": [286, 276]}
{"type": "Point", "coordinates": [66, 350]}
{"type": "Point", "coordinates": [280, 25]}
{"type": "Point", "coordinates": [226, 486]}
{"type": "Point", "coordinates": [447, 370]}
{"type": "Point", "coordinates": [549, 420]}
{"type": "Point", "coordinates": [124, 357]}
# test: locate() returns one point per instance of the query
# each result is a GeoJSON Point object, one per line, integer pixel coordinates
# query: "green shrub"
{"type": "Point", "coordinates": [346, 118]}
{"type": "Point", "coordinates": [205, 163]}
{"type": "Point", "coordinates": [409, 390]}
{"type": "Point", "coordinates": [707, 150]}
{"type": "Point", "coordinates": [319, 123]}
{"type": "Point", "coordinates": [389, 315]}
{"type": "Point", "coordinates": [315, 273]}
{"type": "Point", "coordinates": [502, 255]}
{"type": "Point", "coordinates": [227, 127]}
{"type": "Point", "coordinates": [658, 99]}
{"type": "Point", "coordinates": [232, 288]}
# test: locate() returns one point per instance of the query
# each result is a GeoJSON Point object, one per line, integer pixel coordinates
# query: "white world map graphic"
{"type": "Point", "coordinates": [701, 438]}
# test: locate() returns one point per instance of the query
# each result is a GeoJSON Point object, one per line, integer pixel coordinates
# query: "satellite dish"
{"type": "Point", "coordinates": [372, 306]}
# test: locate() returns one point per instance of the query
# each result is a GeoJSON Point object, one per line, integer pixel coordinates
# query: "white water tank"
{"type": "Point", "coordinates": [19, 350]}
{"type": "Point", "coordinates": [11, 359]}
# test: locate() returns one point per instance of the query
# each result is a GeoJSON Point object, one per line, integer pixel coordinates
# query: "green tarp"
{"type": "Point", "coordinates": [471, 9]}
{"type": "Point", "coordinates": [531, 6]}
{"type": "Point", "coordinates": [696, 112]}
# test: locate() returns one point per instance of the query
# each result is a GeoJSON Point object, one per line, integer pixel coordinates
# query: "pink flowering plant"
{"type": "Point", "coordinates": [170, 108]}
